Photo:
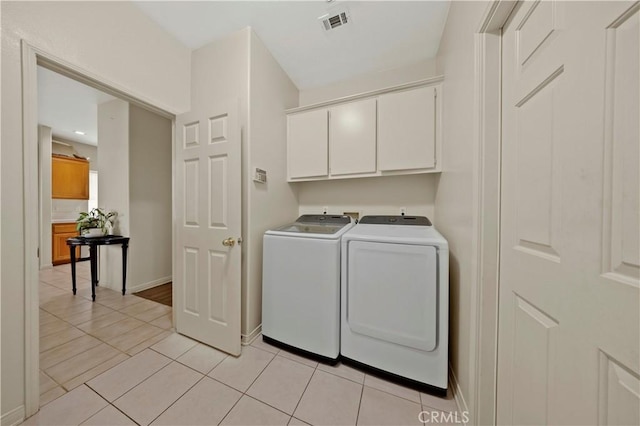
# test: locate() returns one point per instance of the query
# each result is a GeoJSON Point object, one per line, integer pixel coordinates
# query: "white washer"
{"type": "Point", "coordinates": [301, 285]}
{"type": "Point", "coordinates": [395, 299]}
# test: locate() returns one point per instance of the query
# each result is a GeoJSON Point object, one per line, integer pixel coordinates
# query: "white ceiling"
{"type": "Point", "coordinates": [382, 34]}
{"type": "Point", "coordinates": [66, 105]}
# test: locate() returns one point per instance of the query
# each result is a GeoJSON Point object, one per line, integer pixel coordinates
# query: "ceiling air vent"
{"type": "Point", "coordinates": [332, 21]}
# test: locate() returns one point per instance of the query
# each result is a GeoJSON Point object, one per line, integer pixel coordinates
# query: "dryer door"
{"type": "Point", "coordinates": [392, 292]}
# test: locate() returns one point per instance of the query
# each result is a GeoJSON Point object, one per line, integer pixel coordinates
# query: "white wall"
{"type": "Point", "coordinates": [113, 183]}
{"type": "Point", "coordinates": [134, 179]}
{"type": "Point", "coordinates": [87, 151]}
{"type": "Point", "coordinates": [368, 82]}
{"type": "Point", "coordinates": [44, 161]}
{"type": "Point", "coordinates": [150, 197]}
{"type": "Point", "coordinates": [274, 203]}
{"type": "Point", "coordinates": [455, 205]}
{"type": "Point", "coordinates": [136, 55]}
{"type": "Point", "coordinates": [371, 196]}
{"type": "Point", "coordinates": [379, 195]}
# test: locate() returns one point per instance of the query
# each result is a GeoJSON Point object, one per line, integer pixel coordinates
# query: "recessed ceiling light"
{"type": "Point", "coordinates": [78, 132]}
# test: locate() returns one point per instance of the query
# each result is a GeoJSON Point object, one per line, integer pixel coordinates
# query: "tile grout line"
{"type": "Point", "coordinates": [269, 405]}
{"type": "Point", "coordinates": [360, 403]}
{"type": "Point", "coordinates": [248, 387]}
{"type": "Point", "coordinates": [390, 393]}
{"type": "Point", "coordinates": [107, 360]}
{"type": "Point", "coordinates": [109, 404]}
{"type": "Point", "coordinates": [180, 397]}
{"type": "Point", "coordinates": [303, 392]}
{"type": "Point", "coordinates": [342, 377]}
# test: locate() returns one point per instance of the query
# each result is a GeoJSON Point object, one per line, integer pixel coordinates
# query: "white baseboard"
{"type": "Point", "coordinates": [150, 284]}
{"type": "Point", "coordinates": [457, 392]}
{"type": "Point", "coordinates": [46, 266]}
{"type": "Point", "coordinates": [247, 339]}
{"type": "Point", "coordinates": [13, 417]}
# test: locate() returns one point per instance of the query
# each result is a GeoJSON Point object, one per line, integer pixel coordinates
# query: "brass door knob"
{"type": "Point", "coordinates": [229, 242]}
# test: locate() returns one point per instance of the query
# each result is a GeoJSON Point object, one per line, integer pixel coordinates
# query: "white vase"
{"type": "Point", "coordinates": [93, 232]}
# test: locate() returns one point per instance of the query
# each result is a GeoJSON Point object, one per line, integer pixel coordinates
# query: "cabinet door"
{"type": "Point", "coordinates": [407, 130]}
{"type": "Point", "coordinates": [69, 178]}
{"type": "Point", "coordinates": [60, 249]}
{"type": "Point", "coordinates": [352, 136]}
{"type": "Point", "coordinates": [307, 144]}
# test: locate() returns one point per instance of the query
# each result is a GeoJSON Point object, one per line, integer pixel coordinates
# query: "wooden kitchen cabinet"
{"type": "Point", "coordinates": [407, 130]}
{"type": "Point", "coordinates": [69, 178]}
{"type": "Point", "coordinates": [60, 251]}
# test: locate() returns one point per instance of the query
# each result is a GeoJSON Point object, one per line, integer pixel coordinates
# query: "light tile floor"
{"type": "Point", "coordinates": [118, 362]}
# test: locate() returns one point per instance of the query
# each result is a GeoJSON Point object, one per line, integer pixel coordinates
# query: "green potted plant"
{"type": "Point", "coordinates": [95, 223]}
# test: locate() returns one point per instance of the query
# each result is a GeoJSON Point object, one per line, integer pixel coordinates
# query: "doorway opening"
{"type": "Point", "coordinates": [60, 326]}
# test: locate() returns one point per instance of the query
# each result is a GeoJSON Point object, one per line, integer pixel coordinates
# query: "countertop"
{"type": "Point", "coordinates": [63, 221]}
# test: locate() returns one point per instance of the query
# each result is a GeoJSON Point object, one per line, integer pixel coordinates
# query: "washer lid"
{"type": "Point", "coordinates": [316, 226]}
{"type": "Point", "coordinates": [311, 228]}
{"type": "Point", "coordinates": [324, 219]}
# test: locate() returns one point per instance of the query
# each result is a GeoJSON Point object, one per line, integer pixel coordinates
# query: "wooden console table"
{"type": "Point", "coordinates": [93, 244]}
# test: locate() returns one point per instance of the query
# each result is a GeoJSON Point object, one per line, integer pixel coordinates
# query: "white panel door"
{"type": "Point", "coordinates": [308, 144]}
{"type": "Point", "coordinates": [569, 265]}
{"type": "Point", "coordinates": [208, 224]}
{"type": "Point", "coordinates": [352, 138]}
{"type": "Point", "coordinates": [407, 130]}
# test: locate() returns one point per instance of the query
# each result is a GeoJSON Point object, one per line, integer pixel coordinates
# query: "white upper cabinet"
{"type": "Point", "coordinates": [391, 131]}
{"type": "Point", "coordinates": [352, 138]}
{"type": "Point", "coordinates": [308, 144]}
{"type": "Point", "coordinates": [407, 130]}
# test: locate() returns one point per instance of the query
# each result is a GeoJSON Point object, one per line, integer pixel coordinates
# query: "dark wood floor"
{"type": "Point", "coordinates": [160, 294]}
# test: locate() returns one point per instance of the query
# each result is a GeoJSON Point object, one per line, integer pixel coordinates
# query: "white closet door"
{"type": "Point", "coordinates": [569, 340]}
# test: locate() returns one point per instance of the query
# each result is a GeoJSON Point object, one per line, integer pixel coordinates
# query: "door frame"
{"type": "Point", "coordinates": [486, 202]}
{"type": "Point", "coordinates": [32, 57]}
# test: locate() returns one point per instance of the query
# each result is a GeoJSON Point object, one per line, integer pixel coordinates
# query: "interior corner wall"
{"type": "Point", "coordinates": [136, 55]}
{"type": "Point", "coordinates": [220, 73]}
{"type": "Point", "coordinates": [370, 81]}
{"type": "Point", "coordinates": [150, 198]}
{"type": "Point", "coordinates": [376, 195]}
{"type": "Point", "coordinates": [455, 199]}
{"type": "Point", "coordinates": [83, 149]}
{"type": "Point", "coordinates": [274, 203]}
{"type": "Point", "coordinates": [113, 183]}
{"type": "Point", "coordinates": [44, 185]}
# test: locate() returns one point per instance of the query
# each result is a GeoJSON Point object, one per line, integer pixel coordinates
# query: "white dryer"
{"type": "Point", "coordinates": [395, 300]}
{"type": "Point", "coordinates": [301, 285]}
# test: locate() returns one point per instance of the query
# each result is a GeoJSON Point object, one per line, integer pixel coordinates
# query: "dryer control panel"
{"type": "Point", "coordinates": [396, 220]}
